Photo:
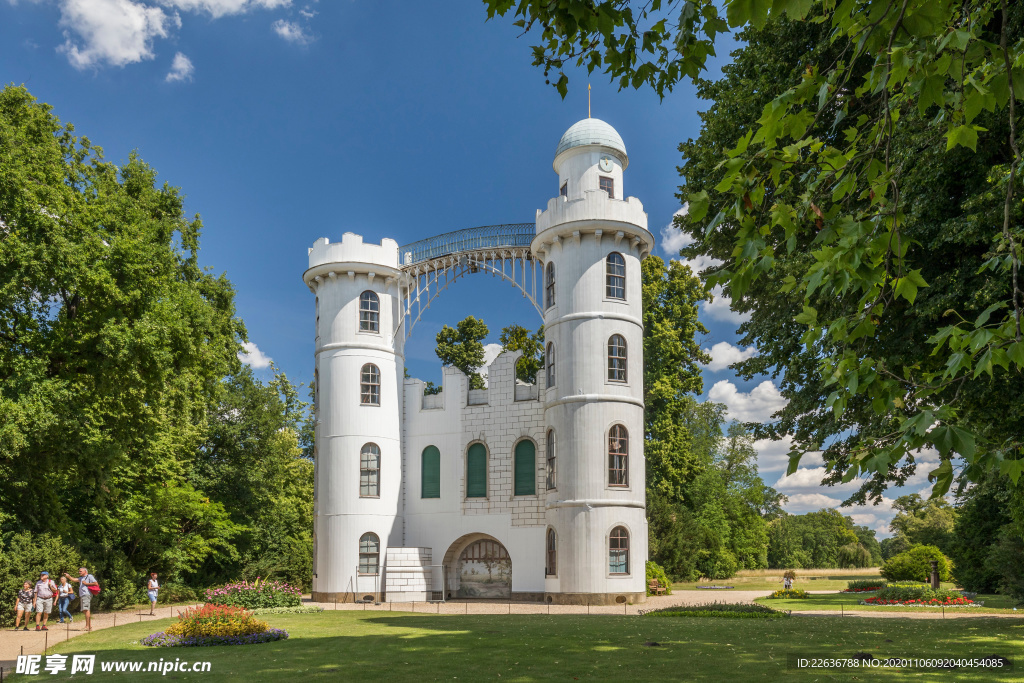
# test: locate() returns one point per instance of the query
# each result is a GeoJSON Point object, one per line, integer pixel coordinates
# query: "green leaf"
{"type": "Point", "coordinates": [943, 477]}
{"type": "Point", "coordinates": [808, 317]}
{"type": "Point", "coordinates": [698, 206]}
{"type": "Point", "coordinates": [1012, 468]}
{"type": "Point", "coordinates": [962, 135]}
{"type": "Point", "coordinates": [740, 12]}
{"type": "Point", "coordinates": [1016, 353]}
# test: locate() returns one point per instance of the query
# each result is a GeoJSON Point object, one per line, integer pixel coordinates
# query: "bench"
{"type": "Point", "coordinates": [655, 588]}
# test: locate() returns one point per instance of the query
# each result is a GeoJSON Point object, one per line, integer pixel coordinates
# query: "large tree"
{"type": "Point", "coordinates": [868, 193]}
{"type": "Point", "coordinates": [462, 347]}
{"type": "Point", "coordinates": [113, 344]}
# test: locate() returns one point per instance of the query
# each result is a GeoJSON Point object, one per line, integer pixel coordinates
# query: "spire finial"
{"type": "Point", "coordinates": [588, 101]}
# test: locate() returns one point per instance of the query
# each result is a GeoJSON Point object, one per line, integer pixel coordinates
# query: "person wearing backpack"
{"type": "Point", "coordinates": [45, 590]}
{"type": "Point", "coordinates": [88, 586]}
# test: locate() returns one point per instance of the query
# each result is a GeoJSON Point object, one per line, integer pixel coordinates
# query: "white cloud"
{"type": "Point", "coordinates": [755, 406]}
{"type": "Point", "coordinates": [121, 32]}
{"type": "Point", "coordinates": [720, 308]}
{"type": "Point", "coordinates": [291, 32]}
{"type": "Point", "coordinates": [220, 8]}
{"type": "Point", "coordinates": [254, 357]}
{"type": "Point", "coordinates": [672, 238]}
{"type": "Point", "coordinates": [114, 32]}
{"type": "Point", "coordinates": [810, 502]}
{"type": "Point", "coordinates": [724, 354]}
{"type": "Point", "coordinates": [181, 69]}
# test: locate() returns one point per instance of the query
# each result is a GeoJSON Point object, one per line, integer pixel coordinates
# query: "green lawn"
{"type": "Point", "coordinates": [399, 647]}
{"type": "Point", "coordinates": [807, 579]}
{"type": "Point", "coordinates": [994, 604]}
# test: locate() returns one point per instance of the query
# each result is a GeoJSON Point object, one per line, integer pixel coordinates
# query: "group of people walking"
{"type": "Point", "coordinates": [40, 597]}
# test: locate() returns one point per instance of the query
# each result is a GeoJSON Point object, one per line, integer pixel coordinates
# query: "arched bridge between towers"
{"type": "Point", "coordinates": [435, 263]}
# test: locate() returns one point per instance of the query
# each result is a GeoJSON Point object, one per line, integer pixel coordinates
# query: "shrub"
{"type": "Point", "coordinates": [720, 610]}
{"type": "Point", "coordinates": [654, 571]}
{"type": "Point", "coordinates": [216, 620]}
{"type": "Point", "coordinates": [255, 595]}
{"type": "Point", "coordinates": [864, 585]}
{"type": "Point", "coordinates": [178, 592]}
{"type": "Point", "coordinates": [899, 593]}
{"type": "Point", "coordinates": [164, 639]}
{"type": "Point", "coordinates": [302, 609]}
{"type": "Point", "coordinates": [23, 555]}
{"type": "Point", "coordinates": [789, 593]}
{"type": "Point", "coordinates": [915, 564]}
{"type": "Point", "coordinates": [789, 574]}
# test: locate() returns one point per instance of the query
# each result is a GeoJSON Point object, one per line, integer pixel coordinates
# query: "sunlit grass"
{"type": "Point", "coordinates": [356, 646]}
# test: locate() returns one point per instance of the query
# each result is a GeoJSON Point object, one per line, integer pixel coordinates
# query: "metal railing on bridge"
{"type": "Point", "coordinates": [486, 237]}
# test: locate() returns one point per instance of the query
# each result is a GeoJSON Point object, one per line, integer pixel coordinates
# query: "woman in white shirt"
{"type": "Point", "coordinates": [64, 595]}
{"type": "Point", "coordinates": [154, 586]}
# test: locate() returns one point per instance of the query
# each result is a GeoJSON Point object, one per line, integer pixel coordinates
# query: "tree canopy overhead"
{"type": "Point", "coordinates": [871, 199]}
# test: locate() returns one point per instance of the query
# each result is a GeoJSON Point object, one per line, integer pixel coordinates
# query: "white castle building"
{"type": "Point", "coordinates": [523, 492]}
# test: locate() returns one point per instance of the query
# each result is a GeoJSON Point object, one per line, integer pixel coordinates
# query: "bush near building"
{"type": "Point", "coordinates": [915, 564]}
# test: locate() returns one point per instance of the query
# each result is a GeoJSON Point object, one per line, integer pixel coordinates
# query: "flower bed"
{"type": "Point", "coordinates": [164, 639]}
{"type": "Point", "coordinates": [869, 589]}
{"type": "Point", "coordinates": [719, 610]}
{"type": "Point", "coordinates": [255, 595]}
{"type": "Point", "coordinates": [789, 593]}
{"type": "Point", "coordinates": [214, 625]}
{"type": "Point", "coordinates": [931, 602]}
{"type": "Point", "coordinates": [918, 595]}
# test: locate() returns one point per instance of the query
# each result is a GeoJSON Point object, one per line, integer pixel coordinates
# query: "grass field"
{"type": "Point", "coordinates": [771, 579]}
{"type": "Point", "coordinates": [994, 604]}
{"type": "Point", "coordinates": [360, 646]}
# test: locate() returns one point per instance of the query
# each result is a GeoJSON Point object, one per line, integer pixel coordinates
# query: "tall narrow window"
{"type": "Point", "coordinates": [369, 471]}
{"type": "Point", "coordinates": [369, 385]}
{"type": "Point", "coordinates": [369, 312]}
{"type": "Point", "coordinates": [616, 358]}
{"type": "Point", "coordinates": [608, 185]}
{"type": "Point", "coordinates": [564, 191]}
{"type": "Point", "coordinates": [618, 456]}
{"type": "Point", "coordinates": [369, 554]}
{"type": "Point", "coordinates": [430, 475]}
{"type": "Point", "coordinates": [551, 459]}
{"type": "Point", "coordinates": [550, 364]}
{"type": "Point", "coordinates": [550, 568]}
{"type": "Point", "coordinates": [618, 551]}
{"type": "Point", "coordinates": [476, 471]}
{"type": "Point", "coordinates": [615, 276]}
{"type": "Point", "coordinates": [549, 285]}
{"type": "Point", "coordinates": [525, 469]}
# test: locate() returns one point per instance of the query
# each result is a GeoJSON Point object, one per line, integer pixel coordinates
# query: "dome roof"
{"type": "Point", "coordinates": [592, 132]}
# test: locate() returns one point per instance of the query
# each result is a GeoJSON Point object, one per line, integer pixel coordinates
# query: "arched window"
{"type": "Point", "coordinates": [369, 385]}
{"type": "Point", "coordinates": [618, 551]}
{"type": "Point", "coordinates": [369, 554]}
{"type": "Point", "coordinates": [549, 565]}
{"type": "Point", "coordinates": [476, 471]}
{"type": "Point", "coordinates": [525, 469]}
{"type": "Point", "coordinates": [549, 285]}
{"type": "Point", "coordinates": [551, 459]}
{"type": "Point", "coordinates": [550, 363]}
{"type": "Point", "coordinates": [616, 358]}
{"type": "Point", "coordinates": [369, 471]}
{"type": "Point", "coordinates": [618, 456]}
{"type": "Point", "coordinates": [430, 476]}
{"type": "Point", "coordinates": [615, 276]}
{"type": "Point", "coordinates": [369, 312]}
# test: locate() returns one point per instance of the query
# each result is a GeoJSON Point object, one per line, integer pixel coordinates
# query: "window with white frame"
{"type": "Point", "coordinates": [549, 285]}
{"type": "Point", "coordinates": [618, 551]}
{"type": "Point", "coordinates": [615, 276]}
{"type": "Point", "coordinates": [369, 471]}
{"type": "Point", "coordinates": [616, 358]}
{"type": "Point", "coordinates": [369, 312]}
{"type": "Point", "coordinates": [618, 456]}
{"type": "Point", "coordinates": [369, 385]}
{"type": "Point", "coordinates": [369, 554]}
{"type": "Point", "coordinates": [551, 459]}
{"type": "Point", "coordinates": [549, 363]}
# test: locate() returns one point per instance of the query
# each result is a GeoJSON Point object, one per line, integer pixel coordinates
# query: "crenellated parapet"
{"type": "Point", "coordinates": [350, 257]}
{"type": "Point", "coordinates": [593, 214]}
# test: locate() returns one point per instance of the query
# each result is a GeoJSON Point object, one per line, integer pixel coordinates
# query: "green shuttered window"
{"type": "Point", "coordinates": [525, 468]}
{"type": "Point", "coordinates": [430, 486]}
{"type": "Point", "coordinates": [476, 471]}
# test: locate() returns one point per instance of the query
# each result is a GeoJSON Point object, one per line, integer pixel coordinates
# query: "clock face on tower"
{"type": "Point", "coordinates": [606, 164]}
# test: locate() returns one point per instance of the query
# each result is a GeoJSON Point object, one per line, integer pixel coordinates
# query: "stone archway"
{"type": "Point", "coordinates": [479, 567]}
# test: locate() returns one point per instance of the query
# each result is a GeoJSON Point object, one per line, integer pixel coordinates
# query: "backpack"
{"type": "Point", "coordinates": [95, 590]}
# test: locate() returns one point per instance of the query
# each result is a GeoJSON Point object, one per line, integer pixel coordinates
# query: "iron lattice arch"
{"type": "Point", "coordinates": [437, 262]}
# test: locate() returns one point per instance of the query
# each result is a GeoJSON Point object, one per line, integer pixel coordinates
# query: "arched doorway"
{"type": "Point", "coordinates": [480, 567]}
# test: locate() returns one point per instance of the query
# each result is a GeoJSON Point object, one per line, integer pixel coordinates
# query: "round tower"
{"type": "Point", "coordinates": [591, 239]}
{"type": "Point", "coordinates": [358, 403]}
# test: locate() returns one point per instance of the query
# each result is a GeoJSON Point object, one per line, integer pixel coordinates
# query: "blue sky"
{"type": "Point", "coordinates": [284, 121]}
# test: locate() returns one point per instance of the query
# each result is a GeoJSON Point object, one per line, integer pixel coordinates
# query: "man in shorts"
{"type": "Point", "coordinates": [45, 590]}
{"type": "Point", "coordinates": [84, 580]}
